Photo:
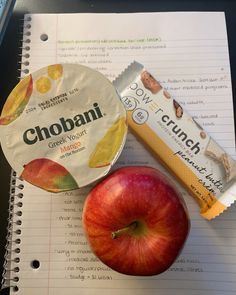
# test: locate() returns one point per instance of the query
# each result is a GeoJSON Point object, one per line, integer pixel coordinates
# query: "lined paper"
{"type": "Point", "coordinates": [188, 52]}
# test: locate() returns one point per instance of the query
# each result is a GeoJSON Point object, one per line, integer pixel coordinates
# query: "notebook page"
{"type": "Point", "coordinates": [187, 52]}
{"type": "Point", "coordinates": [195, 70]}
{"type": "Point", "coordinates": [52, 234]}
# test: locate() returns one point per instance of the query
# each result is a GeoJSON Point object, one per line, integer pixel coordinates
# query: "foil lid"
{"type": "Point", "coordinates": [63, 127]}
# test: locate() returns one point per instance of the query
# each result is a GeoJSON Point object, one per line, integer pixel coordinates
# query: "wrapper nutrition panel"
{"type": "Point", "coordinates": [179, 142]}
{"type": "Point", "coordinates": [63, 127]}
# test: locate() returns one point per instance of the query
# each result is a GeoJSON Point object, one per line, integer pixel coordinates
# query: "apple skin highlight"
{"type": "Point", "coordinates": [144, 203]}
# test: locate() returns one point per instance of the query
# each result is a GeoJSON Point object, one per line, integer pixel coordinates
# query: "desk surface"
{"type": "Point", "coordinates": [10, 50]}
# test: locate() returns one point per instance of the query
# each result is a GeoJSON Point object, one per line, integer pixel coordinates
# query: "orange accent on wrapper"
{"type": "Point", "coordinates": [180, 143]}
{"type": "Point", "coordinates": [205, 199]}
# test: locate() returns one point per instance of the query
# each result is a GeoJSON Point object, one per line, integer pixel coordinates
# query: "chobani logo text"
{"type": "Point", "coordinates": [33, 135]}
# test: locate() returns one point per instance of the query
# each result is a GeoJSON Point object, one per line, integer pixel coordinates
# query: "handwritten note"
{"type": "Point", "coordinates": [52, 233]}
{"type": "Point", "coordinates": [188, 53]}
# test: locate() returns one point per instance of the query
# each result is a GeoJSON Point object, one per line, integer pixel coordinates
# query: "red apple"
{"type": "Point", "coordinates": [135, 221]}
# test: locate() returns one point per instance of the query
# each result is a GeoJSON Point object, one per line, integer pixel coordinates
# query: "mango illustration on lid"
{"type": "Point", "coordinates": [63, 127]}
{"type": "Point", "coordinates": [48, 174]}
{"type": "Point", "coordinates": [108, 146]}
{"type": "Point", "coordinates": [17, 101]}
{"type": "Point", "coordinates": [43, 84]}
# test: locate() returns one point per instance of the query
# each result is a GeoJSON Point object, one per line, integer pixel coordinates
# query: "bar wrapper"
{"type": "Point", "coordinates": [63, 127]}
{"type": "Point", "coordinates": [179, 142]}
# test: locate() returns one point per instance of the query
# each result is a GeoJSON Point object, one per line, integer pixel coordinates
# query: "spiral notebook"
{"type": "Point", "coordinates": [47, 252]}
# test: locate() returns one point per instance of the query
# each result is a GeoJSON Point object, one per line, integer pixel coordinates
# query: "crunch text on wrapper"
{"type": "Point", "coordinates": [178, 141]}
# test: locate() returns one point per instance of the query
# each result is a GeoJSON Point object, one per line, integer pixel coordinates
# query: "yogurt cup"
{"type": "Point", "coordinates": [63, 127]}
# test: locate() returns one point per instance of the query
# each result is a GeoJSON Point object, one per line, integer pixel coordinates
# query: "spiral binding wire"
{"type": "Point", "coordinates": [25, 47]}
{"type": "Point", "coordinates": [10, 277]}
{"type": "Point", "coordinates": [11, 268]}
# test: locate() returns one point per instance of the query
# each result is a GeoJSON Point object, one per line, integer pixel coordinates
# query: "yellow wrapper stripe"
{"type": "Point", "coordinates": [210, 206]}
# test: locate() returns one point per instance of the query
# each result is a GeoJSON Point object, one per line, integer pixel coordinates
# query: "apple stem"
{"type": "Point", "coordinates": [116, 234]}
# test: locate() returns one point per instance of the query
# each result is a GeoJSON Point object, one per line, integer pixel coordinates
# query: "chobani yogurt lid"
{"type": "Point", "coordinates": [63, 127]}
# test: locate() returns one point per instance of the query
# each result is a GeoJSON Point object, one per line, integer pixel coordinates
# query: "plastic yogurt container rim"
{"type": "Point", "coordinates": [63, 127]}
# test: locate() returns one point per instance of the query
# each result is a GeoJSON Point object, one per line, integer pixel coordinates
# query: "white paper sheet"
{"type": "Point", "coordinates": [188, 53]}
